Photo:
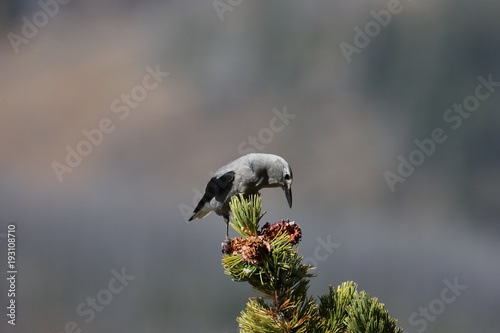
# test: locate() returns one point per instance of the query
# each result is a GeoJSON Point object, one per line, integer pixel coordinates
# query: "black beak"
{"type": "Point", "coordinates": [288, 194]}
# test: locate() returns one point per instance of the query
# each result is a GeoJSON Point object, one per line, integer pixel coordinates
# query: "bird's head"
{"type": "Point", "coordinates": [272, 171]}
{"type": "Point", "coordinates": [281, 175]}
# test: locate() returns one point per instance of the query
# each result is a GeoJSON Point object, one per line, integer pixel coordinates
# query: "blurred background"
{"type": "Point", "coordinates": [103, 155]}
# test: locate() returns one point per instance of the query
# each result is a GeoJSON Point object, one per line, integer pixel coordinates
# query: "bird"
{"type": "Point", "coordinates": [246, 175]}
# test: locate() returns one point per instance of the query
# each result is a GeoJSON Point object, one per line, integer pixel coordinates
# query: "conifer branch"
{"type": "Point", "coordinates": [268, 259]}
{"type": "Point", "coordinates": [246, 214]}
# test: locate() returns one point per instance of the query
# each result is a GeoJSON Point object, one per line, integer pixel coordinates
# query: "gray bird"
{"type": "Point", "coordinates": [247, 175]}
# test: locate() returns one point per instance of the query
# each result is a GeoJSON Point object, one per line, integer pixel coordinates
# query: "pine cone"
{"type": "Point", "coordinates": [252, 249]}
{"type": "Point", "coordinates": [270, 232]}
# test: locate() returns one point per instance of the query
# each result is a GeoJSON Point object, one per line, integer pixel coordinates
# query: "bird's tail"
{"type": "Point", "coordinates": [202, 209]}
{"type": "Point", "coordinates": [200, 214]}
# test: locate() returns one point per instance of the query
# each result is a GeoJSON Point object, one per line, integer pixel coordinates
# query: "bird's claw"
{"type": "Point", "coordinates": [226, 246]}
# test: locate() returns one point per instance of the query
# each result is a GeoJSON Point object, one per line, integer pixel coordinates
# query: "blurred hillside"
{"type": "Point", "coordinates": [169, 92]}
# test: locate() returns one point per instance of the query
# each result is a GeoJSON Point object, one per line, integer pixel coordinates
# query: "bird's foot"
{"type": "Point", "coordinates": [226, 246]}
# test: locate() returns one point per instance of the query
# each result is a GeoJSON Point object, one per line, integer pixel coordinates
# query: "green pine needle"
{"type": "Point", "coordinates": [246, 214]}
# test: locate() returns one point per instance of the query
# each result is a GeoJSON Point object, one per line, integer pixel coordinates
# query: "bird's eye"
{"type": "Point", "coordinates": [287, 176]}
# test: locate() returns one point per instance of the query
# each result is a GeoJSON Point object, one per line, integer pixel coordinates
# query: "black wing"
{"type": "Point", "coordinates": [215, 187]}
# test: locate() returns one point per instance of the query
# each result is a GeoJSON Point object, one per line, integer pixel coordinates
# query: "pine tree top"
{"type": "Point", "coordinates": [268, 259]}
